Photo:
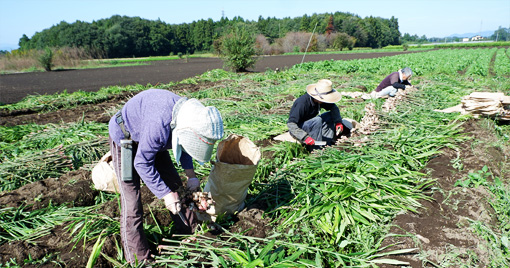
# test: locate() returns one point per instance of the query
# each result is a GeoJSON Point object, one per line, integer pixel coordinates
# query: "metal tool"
{"type": "Point", "coordinates": [320, 143]}
{"type": "Point", "coordinates": [183, 218]}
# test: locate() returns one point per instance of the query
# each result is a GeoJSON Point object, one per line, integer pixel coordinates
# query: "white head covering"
{"type": "Point", "coordinates": [195, 128]}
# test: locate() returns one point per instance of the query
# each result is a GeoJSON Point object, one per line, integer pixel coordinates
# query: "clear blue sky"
{"type": "Point", "coordinates": [433, 18]}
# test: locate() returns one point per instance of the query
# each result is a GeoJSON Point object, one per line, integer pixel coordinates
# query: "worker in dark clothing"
{"type": "Point", "coordinates": [306, 125]}
{"type": "Point", "coordinates": [393, 82]}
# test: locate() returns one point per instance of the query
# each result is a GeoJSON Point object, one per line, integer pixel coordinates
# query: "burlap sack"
{"type": "Point", "coordinates": [236, 163]}
{"type": "Point", "coordinates": [103, 175]}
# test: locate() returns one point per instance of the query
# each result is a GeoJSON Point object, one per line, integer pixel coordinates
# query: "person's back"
{"type": "Point", "coordinates": [388, 81]}
{"type": "Point", "coordinates": [393, 82]}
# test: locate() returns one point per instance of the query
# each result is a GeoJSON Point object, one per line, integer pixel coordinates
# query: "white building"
{"type": "Point", "coordinates": [476, 38]}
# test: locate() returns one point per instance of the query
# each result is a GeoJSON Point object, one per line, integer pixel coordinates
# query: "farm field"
{"type": "Point", "coordinates": [16, 86]}
{"type": "Point", "coordinates": [410, 187]}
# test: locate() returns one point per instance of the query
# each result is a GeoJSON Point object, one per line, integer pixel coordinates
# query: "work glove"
{"type": "Point", "coordinates": [339, 128]}
{"type": "Point", "coordinates": [172, 202]}
{"type": "Point", "coordinates": [309, 141]}
{"type": "Point", "coordinates": [193, 184]}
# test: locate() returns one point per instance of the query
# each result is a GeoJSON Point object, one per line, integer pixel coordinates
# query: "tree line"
{"type": "Point", "coordinates": [123, 36]}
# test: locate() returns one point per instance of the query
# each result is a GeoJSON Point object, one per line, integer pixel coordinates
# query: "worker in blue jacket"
{"type": "Point", "coordinates": [152, 122]}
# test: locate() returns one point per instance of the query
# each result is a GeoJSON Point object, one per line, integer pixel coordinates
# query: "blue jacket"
{"type": "Point", "coordinates": [147, 118]}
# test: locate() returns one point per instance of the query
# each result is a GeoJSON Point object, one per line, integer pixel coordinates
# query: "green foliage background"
{"type": "Point", "coordinates": [122, 36]}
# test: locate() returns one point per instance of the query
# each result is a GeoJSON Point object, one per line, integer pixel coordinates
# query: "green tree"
{"type": "Point", "coordinates": [24, 42]}
{"type": "Point", "coordinates": [46, 59]}
{"type": "Point", "coordinates": [394, 33]}
{"type": "Point", "coordinates": [122, 36]}
{"type": "Point", "coordinates": [343, 40]}
{"type": "Point", "coordinates": [304, 24]}
{"type": "Point", "coordinates": [238, 49]}
{"type": "Point", "coordinates": [379, 32]}
{"type": "Point", "coordinates": [501, 34]}
{"type": "Point", "coordinates": [182, 42]}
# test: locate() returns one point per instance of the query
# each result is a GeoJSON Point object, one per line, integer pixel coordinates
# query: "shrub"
{"type": "Point", "coordinates": [262, 45]}
{"type": "Point", "coordinates": [46, 59]}
{"type": "Point", "coordinates": [295, 42]}
{"type": "Point", "coordinates": [343, 40]}
{"type": "Point", "coordinates": [238, 49]}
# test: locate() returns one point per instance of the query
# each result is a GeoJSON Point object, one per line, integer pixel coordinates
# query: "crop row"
{"type": "Point", "coordinates": [444, 61]}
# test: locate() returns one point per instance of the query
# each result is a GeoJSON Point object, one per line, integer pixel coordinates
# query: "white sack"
{"type": "Point", "coordinates": [103, 175]}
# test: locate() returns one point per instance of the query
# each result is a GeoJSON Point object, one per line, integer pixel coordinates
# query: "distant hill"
{"type": "Point", "coordinates": [484, 34]}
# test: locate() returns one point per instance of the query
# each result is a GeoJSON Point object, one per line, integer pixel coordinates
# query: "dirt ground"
{"type": "Point", "coordinates": [14, 87]}
{"type": "Point", "coordinates": [439, 227]}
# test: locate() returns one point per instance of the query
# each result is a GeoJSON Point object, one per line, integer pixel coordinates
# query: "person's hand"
{"type": "Point", "coordinates": [339, 128]}
{"type": "Point", "coordinates": [309, 141]}
{"type": "Point", "coordinates": [193, 184]}
{"type": "Point", "coordinates": [172, 202]}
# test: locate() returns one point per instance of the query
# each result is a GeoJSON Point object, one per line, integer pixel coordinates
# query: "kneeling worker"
{"type": "Point", "coordinates": [393, 82]}
{"type": "Point", "coordinates": [304, 124]}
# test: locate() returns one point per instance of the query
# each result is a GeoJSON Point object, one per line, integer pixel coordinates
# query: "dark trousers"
{"type": "Point", "coordinates": [320, 128]}
{"type": "Point", "coordinates": [134, 241]}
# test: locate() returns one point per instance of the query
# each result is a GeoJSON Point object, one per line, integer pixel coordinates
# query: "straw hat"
{"type": "Point", "coordinates": [323, 91]}
{"type": "Point", "coordinates": [195, 129]}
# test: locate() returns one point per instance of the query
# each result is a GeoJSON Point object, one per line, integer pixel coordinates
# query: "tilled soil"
{"type": "Point", "coordinates": [14, 87]}
{"type": "Point", "coordinates": [440, 230]}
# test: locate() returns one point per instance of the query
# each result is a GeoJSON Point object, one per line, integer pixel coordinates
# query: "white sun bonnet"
{"type": "Point", "coordinates": [195, 128]}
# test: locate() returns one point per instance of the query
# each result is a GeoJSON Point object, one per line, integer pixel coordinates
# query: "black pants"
{"type": "Point", "coordinates": [134, 241]}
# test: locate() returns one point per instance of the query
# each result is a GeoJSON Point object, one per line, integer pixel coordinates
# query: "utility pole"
{"type": "Point", "coordinates": [309, 43]}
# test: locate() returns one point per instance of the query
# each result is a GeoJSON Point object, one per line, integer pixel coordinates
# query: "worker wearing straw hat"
{"type": "Point", "coordinates": [306, 125]}
{"type": "Point", "coordinates": [152, 122]}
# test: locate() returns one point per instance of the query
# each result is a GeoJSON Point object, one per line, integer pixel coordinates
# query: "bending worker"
{"type": "Point", "coordinates": [304, 124]}
{"type": "Point", "coordinates": [394, 81]}
{"type": "Point", "coordinates": [149, 124]}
